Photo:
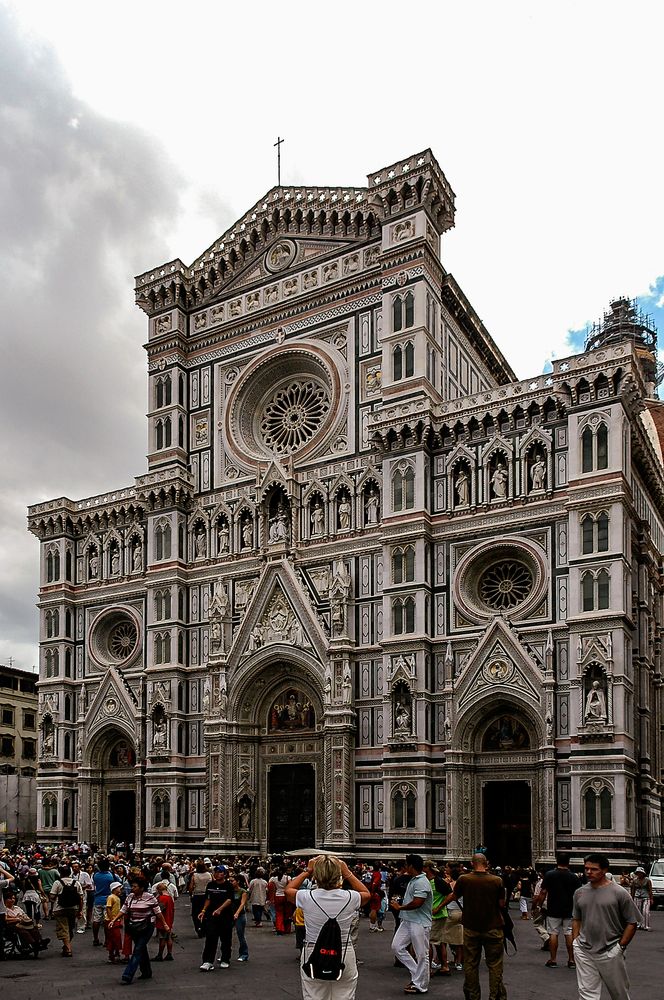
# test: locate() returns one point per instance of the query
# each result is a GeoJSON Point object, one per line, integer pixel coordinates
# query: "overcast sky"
{"type": "Point", "coordinates": [131, 133]}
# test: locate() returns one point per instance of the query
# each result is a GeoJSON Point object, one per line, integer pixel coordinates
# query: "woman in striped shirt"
{"type": "Point", "coordinates": [141, 910]}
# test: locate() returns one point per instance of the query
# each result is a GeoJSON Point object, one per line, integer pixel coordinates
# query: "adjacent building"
{"type": "Point", "coordinates": [18, 755]}
{"type": "Point", "coordinates": [373, 591]}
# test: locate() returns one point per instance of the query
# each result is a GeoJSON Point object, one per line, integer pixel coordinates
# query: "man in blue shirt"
{"type": "Point", "coordinates": [414, 926]}
{"type": "Point", "coordinates": [102, 879]}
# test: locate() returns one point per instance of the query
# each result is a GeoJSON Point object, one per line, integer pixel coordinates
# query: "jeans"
{"type": "Point", "coordinates": [257, 912]}
{"type": "Point", "coordinates": [197, 903]}
{"type": "Point", "coordinates": [492, 942]}
{"type": "Point", "coordinates": [240, 927]}
{"type": "Point", "coordinates": [139, 956]}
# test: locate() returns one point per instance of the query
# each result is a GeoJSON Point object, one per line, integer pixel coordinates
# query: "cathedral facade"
{"type": "Point", "coordinates": [373, 592]}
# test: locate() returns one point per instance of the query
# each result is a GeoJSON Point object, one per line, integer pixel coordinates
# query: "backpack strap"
{"type": "Point", "coordinates": [336, 917]}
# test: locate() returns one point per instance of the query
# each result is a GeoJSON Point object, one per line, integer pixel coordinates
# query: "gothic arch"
{"type": "Point", "coordinates": [471, 726]}
{"type": "Point", "coordinates": [98, 747]}
{"type": "Point", "coordinates": [264, 674]}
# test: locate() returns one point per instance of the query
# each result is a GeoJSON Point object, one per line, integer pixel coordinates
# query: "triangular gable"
{"type": "Point", "coordinates": [279, 614]}
{"type": "Point", "coordinates": [112, 703]}
{"type": "Point", "coordinates": [499, 665]}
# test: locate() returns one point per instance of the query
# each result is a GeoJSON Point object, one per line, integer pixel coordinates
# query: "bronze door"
{"type": "Point", "coordinates": [292, 815]}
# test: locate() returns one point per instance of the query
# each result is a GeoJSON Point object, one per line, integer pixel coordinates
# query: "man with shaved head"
{"type": "Point", "coordinates": [483, 897]}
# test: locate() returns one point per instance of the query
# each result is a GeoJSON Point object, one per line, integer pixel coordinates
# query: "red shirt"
{"type": "Point", "coordinates": [167, 904]}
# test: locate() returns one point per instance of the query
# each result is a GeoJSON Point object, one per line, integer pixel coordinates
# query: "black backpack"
{"type": "Point", "coordinates": [68, 897]}
{"type": "Point", "coordinates": [326, 960]}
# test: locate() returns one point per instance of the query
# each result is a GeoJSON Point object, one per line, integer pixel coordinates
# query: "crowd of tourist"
{"type": "Point", "coordinates": [444, 917]}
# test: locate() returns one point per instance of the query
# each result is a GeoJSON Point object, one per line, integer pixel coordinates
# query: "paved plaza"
{"type": "Point", "coordinates": [272, 971]}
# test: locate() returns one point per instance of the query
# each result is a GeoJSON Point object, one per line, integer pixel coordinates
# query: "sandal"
{"type": "Point", "coordinates": [571, 965]}
{"type": "Point", "coordinates": [551, 964]}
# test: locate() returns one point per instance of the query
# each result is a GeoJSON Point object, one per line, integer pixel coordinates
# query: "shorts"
{"type": "Point", "coordinates": [453, 929]}
{"type": "Point", "coordinates": [559, 925]}
{"type": "Point", "coordinates": [98, 913]}
{"type": "Point", "coordinates": [436, 932]}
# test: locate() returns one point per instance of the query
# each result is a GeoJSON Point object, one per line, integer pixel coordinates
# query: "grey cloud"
{"type": "Point", "coordinates": [82, 209]}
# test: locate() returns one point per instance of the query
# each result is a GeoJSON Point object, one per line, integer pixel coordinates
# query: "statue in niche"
{"type": "Point", "coordinates": [344, 511]}
{"type": "Point", "coordinates": [48, 738]}
{"type": "Point", "coordinates": [595, 704]}
{"type": "Point", "coordinates": [328, 684]}
{"type": "Point", "coordinates": [447, 730]}
{"type": "Point", "coordinates": [244, 815]}
{"type": "Point", "coordinates": [462, 484]}
{"type": "Point", "coordinates": [115, 563]}
{"type": "Point", "coordinates": [79, 748]}
{"type": "Point", "coordinates": [137, 557]}
{"type": "Point", "coordinates": [402, 716]}
{"type": "Point", "coordinates": [499, 481]}
{"type": "Point", "coordinates": [279, 525]}
{"type": "Point", "coordinates": [347, 684]}
{"type": "Point", "coordinates": [200, 543]}
{"type": "Point", "coordinates": [538, 473]}
{"type": "Point", "coordinates": [548, 720]}
{"type": "Point", "coordinates": [317, 518]}
{"type": "Point", "coordinates": [219, 603]}
{"type": "Point", "coordinates": [295, 633]}
{"type": "Point", "coordinates": [223, 538]}
{"type": "Point", "coordinates": [93, 564]}
{"type": "Point", "coordinates": [247, 533]}
{"type": "Point", "coordinates": [223, 697]}
{"type": "Point", "coordinates": [206, 695]}
{"type": "Point", "coordinates": [338, 616]}
{"type": "Point", "coordinates": [342, 576]}
{"type": "Point", "coordinates": [159, 738]}
{"type": "Point", "coordinates": [371, 508]}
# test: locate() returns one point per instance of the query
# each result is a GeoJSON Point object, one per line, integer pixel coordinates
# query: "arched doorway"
{"type": "Point", "coordinates": [110, 798]}
{"type": "Point", "coordinates": [500, 776]}
{"type": "Point", "coordinates": [291, 807]}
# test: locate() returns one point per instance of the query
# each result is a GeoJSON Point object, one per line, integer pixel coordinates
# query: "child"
{"type": "Point", "coordinates": [114, 933]}
{"type": "Point", "coordinates": [167, 904]}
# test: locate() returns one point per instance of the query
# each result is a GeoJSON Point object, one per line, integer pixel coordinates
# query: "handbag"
{"type": "Point", "coordinates": [135, 928]}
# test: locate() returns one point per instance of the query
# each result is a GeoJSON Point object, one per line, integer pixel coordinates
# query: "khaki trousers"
{"type": "Point", "coordinates": [492, 942]}
{"type": "Point", "coordinates": [592, 970]}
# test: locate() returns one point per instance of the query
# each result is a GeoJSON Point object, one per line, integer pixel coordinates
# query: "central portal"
{"type": "Point", "coordinates": [122, 816]}
{"type": "Point", "coordinates": [507, 832]}
{"type": "Point", "coordinates": [292, 807]}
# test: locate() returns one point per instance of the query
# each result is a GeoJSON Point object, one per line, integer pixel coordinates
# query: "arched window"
{"type": "Point", "coordinates": [68, 623]}
{"type": "Point", "coordinates": [410, 309]}
{"type": "Point", "coordinates": [163, 541]}
{"type": "Point", "coordinates": [409, 615]}
{"type": "Point", "coordinates": [167, 603]}
{"type": "Point", "coordinates": [50, 811]}
{"type": "Point", "coordinates": [588, 592]}
{"type": "Point", "coordinates": [397, 364]}
{"type": "Point", "coordinates": [595, 448]}
{"type": "Point", "coordinates": [180, 697]}
{"type": "Point", "coordinates": [167, 432]}
{"type": "Point", "coordinates": [403, 809]}
{"type": "Point", "coordinates": [67, 708]}
{"type": "Point", "coordinates": [68, 745]}
{"type": "Point", "coordinates": [181, 390]}
{"type": "Point", "coordinates": [409, 360]}
{"type": "Point", "coordinates": [397, 617]}
{"type": "Point", "coordinates": [603, 532]}
{"type": "Point", "coordinates": [56, 565]}
{"type": "Point", "coordinates": [167, 647]}
{"type": "Point", "coordinates": [180, 647]}
{"type": "Point", "coordinates": [181, 604]}
{"type": "Point", "coordinates": [397, 566]}
{"type": "Point", "coordinates": [409, 564]}
{"type": "Point", "coordinates": [180, 738]}
{"type": "Point", "coordinates": [602, 447]}
{"type": "Point", "coordinates": [65, 813]}
{"type": "Point", "coordinates": [160, 393]}
{"type": "Point", "coordinates": [161, 809]}
{"type": "Point", "coordinates": [159, 434]}
{"type": "Point", "coordinates": [49, 567]}
{"type": "Point", "coordinates": [158, 605]}
{"type": "Point", "coordinates": [587, 534]}
{"type": "Point", "coordinates": [603, 590]}
{"type": "Point", "coordinates": [597, 807]}
{"type": "Point", "coordinates": [181, 432]}
{"type": "Point", "coordinates": [68, 564]}
{"type": "Point", "coordinates": [403, 564]}
{"type": "Point", "coordinates": [68, 662]}
{"type": "Point", "coordinates": [397, 313]}
{"type": "Point", "coordinates": [403, 489]}
{"type": "Point", "coordinates": [158, 648]}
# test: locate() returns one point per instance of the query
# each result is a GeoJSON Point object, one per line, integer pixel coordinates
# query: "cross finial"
{"type": "Point", "coordinates": [10, 661]}
{"type": "Point", "coordinates": [278, 145]}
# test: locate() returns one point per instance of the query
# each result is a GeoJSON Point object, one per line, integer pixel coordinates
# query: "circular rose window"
{"type": "Point", "coordinates": [287, 402]}
{"type": "Point", "coordinates": [114, 637]}
{"type": "Point", "coordinates": [507, 576]}
{"type": "Point", "coordinates": [505, 584]}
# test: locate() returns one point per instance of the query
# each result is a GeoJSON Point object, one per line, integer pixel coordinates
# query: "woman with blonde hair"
{"type": "Point", "coordinates": [328, 900]}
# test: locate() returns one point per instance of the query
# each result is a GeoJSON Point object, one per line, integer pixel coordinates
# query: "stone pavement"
{"type": "Point", "coordinates": [272, 971]}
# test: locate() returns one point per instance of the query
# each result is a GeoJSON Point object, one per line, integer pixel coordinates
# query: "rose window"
{"type": "Point", "coordinates": [122, 640]}
{"type": "Point", "coordinates": [505, 584]}
{"type": "Point", "coordinates": [293, 415]}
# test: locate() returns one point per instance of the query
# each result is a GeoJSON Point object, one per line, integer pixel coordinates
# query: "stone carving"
{"type": "Point", "coordinates": [346, 684]}
{"type": "Point", "coordinates": [244, 590]}
{"type": "Point", "coordinates": [538, 474]}
{"type": "Point", "coordinates": [247, 533]}
{"type": "Point", "coordinates": [548, 720]}
{"type": "Point", "coordinates": [271, 294]}
{"type": "Point", "coordinates": [217, 314]}
{"type": "Point", "coordinates": [403, 231]}
{"type": "Point", "coordinates": [462, 487]}
{"type": "Point", "coordinates": [310, 279]}
{"type": "Point", "coordinates": [402, 717]}
{"type": "Point", "coordinates": [344, 511]}
{"type": "Point", "coordinates": [278, 527]}
{"type": "Point", "coordinates": [371, 508]}
{"type": "Point", "coordinates": [219, 603]}
{"type": "Point", "coordinates": [447, 730]}
{"type": "Point", "coordinates": [352, 264]}
{"type": "Point", "coordinates": [163, 324]}
{"type": "Point", "coordinates": [374, 380]}
{"type": "Point", "coordinates": [159, 731]}
{"type": "Point", "coordinates": [498, 670]}
{"type": "Point", "coordinates": [290, 287]}
{"type": "Point", "coordinates": [278, 624]}
{"type": "Point", "coordinates": [48, 738]}
{"type": "Point", "coordinates": [595, 710]}
{"type": "Point", "coordinates": [161, 692]}
{"type": "Point", "coordinates": [200, 543]}
{"type": "Point", "coordinates": [223, 696]}
{"type": "Point", "coordinates": [330, 271]}
{"type": "Point", "coordinates": [280, 256]}
{"type": "Point", "coordinates": [207, 694]}
{"type": "Point", "coordinates": [93, 564]}
{"type": "Point", "coordinates": [235, 308]}
{"type": "Point", "coordinates": [321, 580]}
{"type": "Point", "coordinates": [201, 433]}
{"type": "Point", "coordinates": [137, 558]}
{"type": "Point", "coordinates": [244, 815]}
{"type": "Point", "coordinates": [253, 300]}
{"type": "Point", "coordinates": [499, 481]}
{"type": "Point", "coordinates": [115, 563]}
{"type": "Point", "coordinates": [223, 538]}
{"type": "Point", "coordinates": [317, 519]}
